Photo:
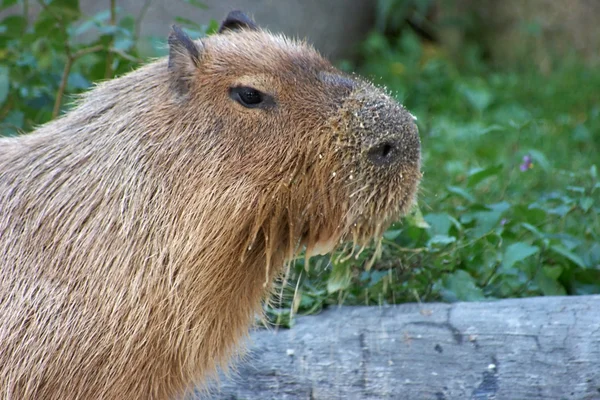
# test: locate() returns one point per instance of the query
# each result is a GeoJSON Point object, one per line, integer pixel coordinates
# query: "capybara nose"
{"type": "Point", "coordinates": [396, 143]}
{"type": "Point", "coordinates": [387, 131]}
{"type": "Point", "coordinates": [384, 153]}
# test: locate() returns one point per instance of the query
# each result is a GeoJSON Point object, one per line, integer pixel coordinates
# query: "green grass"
{"type": "Point", "coordinates": [510, 196]}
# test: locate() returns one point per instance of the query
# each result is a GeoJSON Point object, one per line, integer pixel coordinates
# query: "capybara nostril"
{"type": "Point", "coordinates": [387, 133]}
{"type": "Point", "coordinates": [383, 153]}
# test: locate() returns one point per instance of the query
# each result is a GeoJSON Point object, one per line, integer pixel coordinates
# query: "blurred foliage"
{"type": "Point", "coordinates": [394, 17]}
{"type": "Point", "coordinates": [510, 197]}
{"type": "Point", "coordinates": [59, 52]}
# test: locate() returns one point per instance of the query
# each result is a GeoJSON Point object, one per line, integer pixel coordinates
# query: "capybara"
{"type": "Point", "coordinates": [141, 230]}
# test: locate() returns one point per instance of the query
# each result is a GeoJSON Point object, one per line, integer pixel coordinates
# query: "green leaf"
{"type": "Point", "coordinates": [416, 219]}
{"type": "Point", "coordinates": [491, 128]}
{"type": "Point", "coordinates": [441, 241]}
{"type": "Point", "coordinates": [109, 30]}
{"type": "Point", "coordinates": [157, 45]}
{"type": "Point", "coordinates": [4, 84]}
{"type": "Point", "coordinates": [517, 252]}
{"type": "Point", "coordinates": [71, 5]}
{"type": "Point", "coordinates": [340, 277]}
{"type": "Point", "coordinates": [486, 221]}
{"type": "Point", "coordinates": [66, 11]}
{"type": "Point", "coordinates": [375, 277]}
{"type": "Point", "coordinates": [553, 271]}
{"type": "Point", "coordinates": [197, 3]}
{"type": "Point", "coordinates": [568, 254]}
{"type": "Point", "coordinates": [582, 133]}
{"type": "Point", "coordinates": [501, 206]}
{"type": "Point", "coordinates": [531, 214]}
{"type": "Point", "coordinates": [44, 26]}
{"type": "Point", "coordinates": [102, 16]}
{"type": "Point", "coordinates": [84, 27]}
{"type": "Point", "coordinates": [546, 279]}
{"type": "Point", "coordinates": [8, 3]}
{"type": "Point", "coordinates": [586, 203]}
{"type": "Point", "coordinates": [76, 81]}
{"type": "Point", "coordinates": [194, 33]}
{"type": "Point", "coordinates": [12, 123]}
{"type": "Point", "coordinates": [280, 317]}
{"type": "Point", "coordinates": [533, 230]}
{"type": "Point", "coordinates": [14, 26]}
{"type": "Point", "coordinates": [188, 22]}
{"type": "Point", "coordinates": [478, 96]}
{"type": "Point", "coordinates": [461, 193]}
{"type": "Point", "coordinates": [439, 223]}
{"type": "Point", "coordinates": [460, 286]}
{"type": "Point", "coordinates": [479, 175]}
{"type": "Point", "coordinates": [124, 44]}
{"type": "Point", "coordinates": [592, 256]}
{"type": "Point", "coordinates": [127, 25]}
{"type": "Point", "coordinates": [99, 19]}
{"type": "Point", "coordinates": [540, 159]}
{"type": "Point", "coordinates": [392, 234]}
{"type": "Point", "coordinates": [213, 27]}
{"type": "Point", "coordinates": [576, 189]}
{"type": "Point", "coordinates": [560, 210]}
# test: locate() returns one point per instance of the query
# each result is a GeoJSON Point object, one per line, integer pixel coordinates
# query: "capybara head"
{"type": "Point", "coordinates": [328, 156]}
{"type": "Point", "coordinates": [139, 229]}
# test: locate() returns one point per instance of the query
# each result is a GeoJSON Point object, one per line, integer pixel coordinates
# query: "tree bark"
{"type": "Point", "coordinates": [534, 349]}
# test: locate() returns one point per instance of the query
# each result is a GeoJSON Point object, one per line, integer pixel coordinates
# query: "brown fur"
{"type": "Point", "coordinates": [138, 231]}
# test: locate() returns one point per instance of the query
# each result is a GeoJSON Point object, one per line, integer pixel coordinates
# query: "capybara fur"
{"type": "Point", "coordinates": [141, 230]}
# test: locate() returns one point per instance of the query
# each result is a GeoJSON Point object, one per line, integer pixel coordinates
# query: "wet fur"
{"type": "Point", "coordinates": [141, 229]}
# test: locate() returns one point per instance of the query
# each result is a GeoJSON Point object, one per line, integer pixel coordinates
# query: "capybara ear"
{"type": "Point", "coordinates": [237, 20]}
{"type": "Point", "coordinates": [184, 58]}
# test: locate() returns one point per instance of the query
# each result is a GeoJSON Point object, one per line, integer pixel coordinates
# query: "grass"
{"type": "Point", "coordinates": [510, 197]}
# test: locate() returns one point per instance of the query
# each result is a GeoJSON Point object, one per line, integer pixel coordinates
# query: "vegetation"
{"type": "Point", "coordinates": [510, 198]}
{"type": "Point", "coordinates": [44, 62]}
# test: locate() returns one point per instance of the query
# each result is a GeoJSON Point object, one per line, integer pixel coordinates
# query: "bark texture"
{"type": "Point", "coordinates": [535, 349]}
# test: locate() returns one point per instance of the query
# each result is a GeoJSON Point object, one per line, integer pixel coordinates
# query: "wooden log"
{"type": "Point", "coordinates": [531, 349]}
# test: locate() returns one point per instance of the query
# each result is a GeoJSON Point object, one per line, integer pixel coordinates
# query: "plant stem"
{"type": "Point", "coordinates": [62, 87]}
{"type": "Point", "coordinates": [109, 56]}
{"type": "Point", "coordinates": [126, 56]}
{"type": "Point", "coordinates": [71, 58]}
{"type": "Point", "coordinates": [140, 18]}
{"type": "Point", "coordinates": [26, 15]}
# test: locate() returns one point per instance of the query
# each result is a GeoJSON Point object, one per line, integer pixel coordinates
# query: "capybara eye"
{"type": "Point", "coordinates": [248, 97]}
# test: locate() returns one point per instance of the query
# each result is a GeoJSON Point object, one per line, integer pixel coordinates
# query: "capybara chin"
{"type": "Point", "coordinates": [140, 230]}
